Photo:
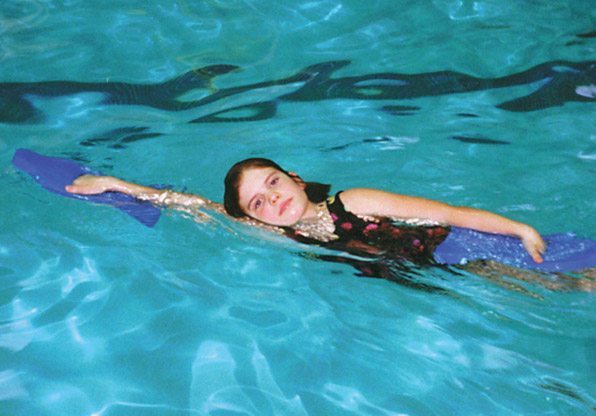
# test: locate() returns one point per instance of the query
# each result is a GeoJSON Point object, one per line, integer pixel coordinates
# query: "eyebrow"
{"type": "Point", "coordinates": [265, 181]}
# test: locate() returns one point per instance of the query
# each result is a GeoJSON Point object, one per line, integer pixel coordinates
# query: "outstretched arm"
{"type": "Point", "coordinates": [374, 202]}
{"type": "Point", "coordinates": [91, 185]}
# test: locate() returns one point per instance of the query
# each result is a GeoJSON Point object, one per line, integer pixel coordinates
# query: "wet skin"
{"type": "Point", "coordinates": [273, 197]}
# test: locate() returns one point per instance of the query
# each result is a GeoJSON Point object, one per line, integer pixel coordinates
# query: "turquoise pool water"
{"type": "Point", "coordinates": [100, 315]}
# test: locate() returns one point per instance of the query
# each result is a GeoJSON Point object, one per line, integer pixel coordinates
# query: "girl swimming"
{"type": "Point", "coordinates": [385, 231]}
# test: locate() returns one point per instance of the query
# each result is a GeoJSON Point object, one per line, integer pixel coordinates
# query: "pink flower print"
{"type": "Point", "coordinates": [371, 227]}
{"type": "Point", "coordinates": [346, 226]}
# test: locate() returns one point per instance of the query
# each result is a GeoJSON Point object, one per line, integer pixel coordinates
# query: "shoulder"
{"type": "Point", "coordinates": [366, 200]}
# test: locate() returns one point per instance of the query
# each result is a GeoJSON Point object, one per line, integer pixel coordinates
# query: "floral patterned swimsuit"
{"type": "Point", "coordinates": [378, 237]}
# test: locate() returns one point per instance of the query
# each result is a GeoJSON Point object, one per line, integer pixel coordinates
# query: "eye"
{"type": "Point", "coordinates": [274, 181]}
{"type": "Point", "coordinates": [257, 204]}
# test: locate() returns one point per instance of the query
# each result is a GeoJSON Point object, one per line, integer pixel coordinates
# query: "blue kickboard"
{"type": "Point", "coordinates": [564, 252]}
{"type": "Point", "coordinates": [54, 173]}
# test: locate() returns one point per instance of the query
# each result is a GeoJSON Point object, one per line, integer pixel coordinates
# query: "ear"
{"type": "Point", "coordinates": [297, 179]}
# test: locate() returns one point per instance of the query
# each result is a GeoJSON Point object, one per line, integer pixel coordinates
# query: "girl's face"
{"type": "Point", "coordinates": [273, 197]}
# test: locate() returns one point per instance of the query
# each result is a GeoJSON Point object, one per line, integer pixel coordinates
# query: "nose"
{"type": "Point", "coordinates": [273, 198]}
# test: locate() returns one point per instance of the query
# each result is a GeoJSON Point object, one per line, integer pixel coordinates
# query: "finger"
{"type": "Point", "coordinates": [543, 246]}
{"type": "Point", "coordinates": [74, 189]}
{"type": "Point", "coordinates": [533, 249]}
{"type": "Point", "coordinates": [80, 179]}
{"type": "Point", "coordinates": [84, 179]}
{"type": "Point", "coordinates": [535, 254]}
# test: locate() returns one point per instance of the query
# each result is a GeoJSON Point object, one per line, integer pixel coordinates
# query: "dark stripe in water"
{"type": "Point", "coordinates": [118, 137]}
{"type": "Point", "coordinates": [478, 140]}
{"type": "Point", "coordinates": [400, 110]}
{"type": "Point", "coordinates": [587, 35]}
{"type": "Point", "coordinates": [556, 82]}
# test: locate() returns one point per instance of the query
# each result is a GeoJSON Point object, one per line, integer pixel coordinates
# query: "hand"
{"type": "Point", "coordinates": [533, 243]}
{"type": "Point", "coordinates": [91, 185]}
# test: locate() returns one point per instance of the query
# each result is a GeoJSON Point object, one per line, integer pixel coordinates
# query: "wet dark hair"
{"type": "Point", "coordinates": [316, 192]}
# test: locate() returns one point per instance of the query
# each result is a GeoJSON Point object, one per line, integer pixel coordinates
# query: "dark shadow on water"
{"type": "Point", "coordinates": [120, 137]}
{"type": "Point", "coordinates": [479, 140]}
{"type": "Point", "coordinates": [567, 391]}
{"type": "Point", "coordinates": [427, 275]}
{"type": "Point", "coordinates": [401, 272]}
{"type": "Point", "coordinates": [556, 84]}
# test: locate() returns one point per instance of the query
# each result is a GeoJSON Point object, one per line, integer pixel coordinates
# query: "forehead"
{"type": "Point", "coordinates": [251, 182]}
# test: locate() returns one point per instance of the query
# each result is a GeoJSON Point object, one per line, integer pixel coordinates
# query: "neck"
{"type": "Point", "coordinates": [310, 212]}
{"type": "Point", "coordinates": [316, 223]}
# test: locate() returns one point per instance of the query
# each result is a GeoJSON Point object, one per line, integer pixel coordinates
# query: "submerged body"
{"type": "Point", "coordinates": [421, 242]}
{"type": "Point", "coordinates": [372, 223]}
{"type": "Point", "coordinates": [385, 230]}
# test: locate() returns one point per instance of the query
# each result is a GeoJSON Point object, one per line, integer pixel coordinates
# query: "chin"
{"type": "Point", "coordinates": [278, 223]}
{"type": "Point", "coordinates": [288, 223]}
{"type": "Point", "coordinates": [294, 218]}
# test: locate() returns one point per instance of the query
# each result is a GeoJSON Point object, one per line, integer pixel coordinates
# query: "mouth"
{"type": "Point", "coordinates": [284, 206]}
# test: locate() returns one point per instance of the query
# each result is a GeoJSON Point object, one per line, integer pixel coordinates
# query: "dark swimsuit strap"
{"type": "Point", "coordinates": [348, 224]}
